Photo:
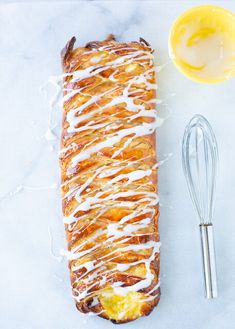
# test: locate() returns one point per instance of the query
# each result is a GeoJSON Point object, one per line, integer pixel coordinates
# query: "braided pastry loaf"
{"type": "Point", "coordinates": [109, 178]}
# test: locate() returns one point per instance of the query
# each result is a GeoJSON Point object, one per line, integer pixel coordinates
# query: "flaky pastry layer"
{"type": "Point", "coordinates": [109, 177]}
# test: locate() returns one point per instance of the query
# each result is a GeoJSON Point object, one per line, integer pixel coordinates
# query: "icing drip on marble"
{"type": "Point", "coordinates": [56, 82]}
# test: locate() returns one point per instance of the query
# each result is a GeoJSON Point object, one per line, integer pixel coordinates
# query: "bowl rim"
{"type": "Point", "coordinates": [171, 52]}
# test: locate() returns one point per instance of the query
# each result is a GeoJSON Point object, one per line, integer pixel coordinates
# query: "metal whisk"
{"type": "Point", "coordinates": [200, 158]}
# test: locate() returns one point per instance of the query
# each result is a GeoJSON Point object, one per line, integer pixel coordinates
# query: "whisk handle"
{"type": "Point", "coordinates": [208, 255]}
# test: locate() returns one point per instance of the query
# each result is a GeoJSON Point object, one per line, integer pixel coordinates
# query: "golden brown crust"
{"type": "Point", "coordinates": [66, 51]}
{"type": "Point", "coordinates": [109, 177]}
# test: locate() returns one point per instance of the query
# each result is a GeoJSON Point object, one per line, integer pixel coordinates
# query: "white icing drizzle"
{"type": "Point", "coordinates": [113, 188]}
{"type": "Point", "coordinates": [159, 68]}
{"type": "Point", "coordinates": [38, 188]}
{"type": "Point", "coordinates": [155, 246]}
{"type": "Point", "coordinates": [132, 176]}
{"type": "Point", "coordinates": [140, 130]}
{"type": "Point", "coordinates": [56, 82]}
{"type": "Point", "coordinates": [58, 258]}
{"type": "Point", "coordinates": [149, 276]}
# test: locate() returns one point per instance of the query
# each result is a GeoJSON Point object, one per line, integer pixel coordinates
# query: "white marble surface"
{"type": "Point", "coordinates": [34, 285]}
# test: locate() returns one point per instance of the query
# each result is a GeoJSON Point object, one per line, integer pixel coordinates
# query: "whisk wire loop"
{"type": "Point", "coordinates": [199, 157]}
